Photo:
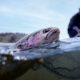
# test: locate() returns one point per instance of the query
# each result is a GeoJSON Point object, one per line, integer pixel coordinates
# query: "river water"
{"type": "Point", "coordinates": [61, 61]}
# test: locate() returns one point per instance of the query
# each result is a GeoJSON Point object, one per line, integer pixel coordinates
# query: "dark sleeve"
{"type": "Point", "coordinates": [73, 22]}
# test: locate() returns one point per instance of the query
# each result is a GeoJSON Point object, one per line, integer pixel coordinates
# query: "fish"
{"type": "Point", "coordinates": [43, 36]}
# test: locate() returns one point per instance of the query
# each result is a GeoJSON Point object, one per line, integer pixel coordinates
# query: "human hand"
{"type": "Point", "coordinates": [78, 30]}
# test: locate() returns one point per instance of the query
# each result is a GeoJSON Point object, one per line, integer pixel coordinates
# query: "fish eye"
{"type": "Point", "coordinates": [20, 46]}
{"type": "Point", "coordinates": [46, 30]}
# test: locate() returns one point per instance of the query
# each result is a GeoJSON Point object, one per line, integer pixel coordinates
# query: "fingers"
{"type": "Point", "coordinates": [78, 31]}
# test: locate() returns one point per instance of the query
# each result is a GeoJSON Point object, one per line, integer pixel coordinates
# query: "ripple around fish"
{"type": "Point", "coordinates": [45, 50]}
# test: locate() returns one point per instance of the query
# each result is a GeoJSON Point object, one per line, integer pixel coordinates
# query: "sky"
{"type": "Point", "coordinates": [27, 16]}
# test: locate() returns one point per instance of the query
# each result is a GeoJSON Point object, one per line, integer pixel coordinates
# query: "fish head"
{"type": "Point", "coordinates": [48, 35]}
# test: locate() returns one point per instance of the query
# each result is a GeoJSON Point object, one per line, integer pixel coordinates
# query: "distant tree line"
{"type": "Point", "coordinates": [10, 37]}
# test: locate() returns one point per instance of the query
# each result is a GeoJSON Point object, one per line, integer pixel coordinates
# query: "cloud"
{"type": "Point", "coordinates": [23, 12]}
{"type": "Point", "coordinates": [44, 13]}
{"type": "Point", "coordinates": [4, 9]}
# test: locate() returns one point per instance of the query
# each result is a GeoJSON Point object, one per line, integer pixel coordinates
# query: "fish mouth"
{"type": "Point", "coordinates": [52, 33]}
